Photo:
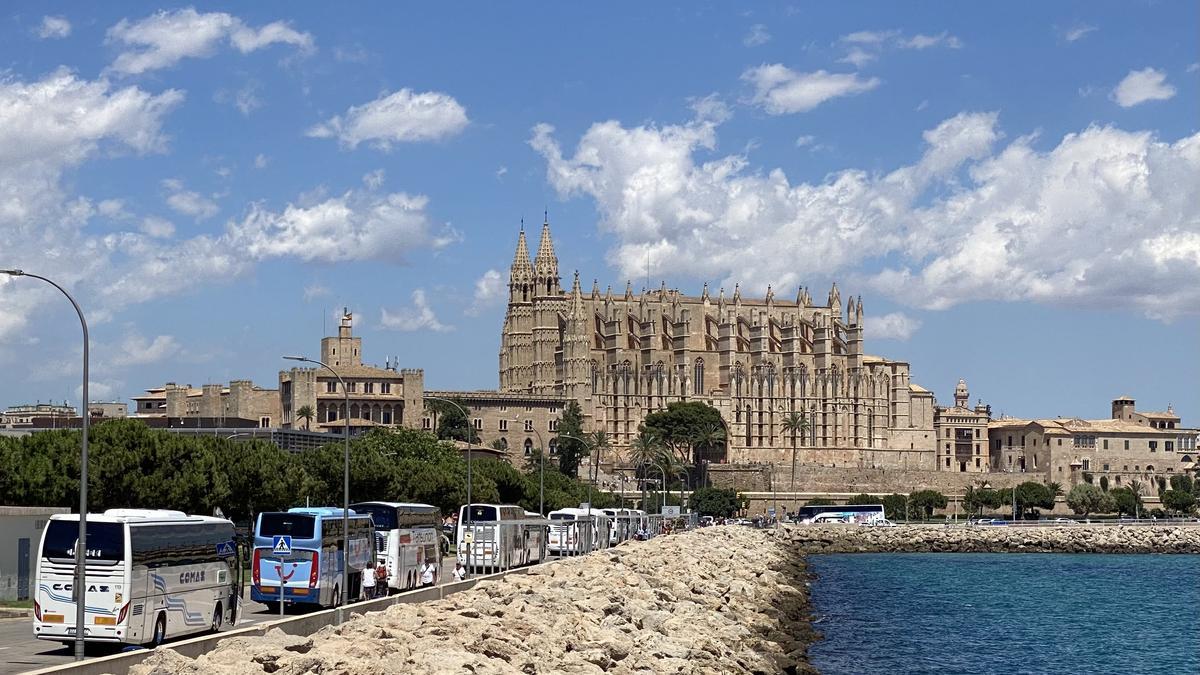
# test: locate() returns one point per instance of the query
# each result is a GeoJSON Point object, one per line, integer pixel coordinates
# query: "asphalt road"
{"type": "Point", "coordinates": [20, 651]}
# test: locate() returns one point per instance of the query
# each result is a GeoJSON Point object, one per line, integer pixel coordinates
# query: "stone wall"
{"type": "Point", "coordinates": [853, 480]}
{"type": "Point", "coordinates": [981, 539]}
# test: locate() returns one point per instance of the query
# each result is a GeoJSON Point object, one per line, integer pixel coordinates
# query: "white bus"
{"type": "Point", "coordinates": [578, 530]}
{"type": "Point", "coordinates": [406, 535]}
{"type": "Point", "coordinates": [150, 574]}
{"type": "Point", "coordinates": [499, 536]}
{"type": "Point", "coordinates": [623, 524]}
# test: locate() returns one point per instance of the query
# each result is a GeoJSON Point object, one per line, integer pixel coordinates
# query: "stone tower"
{"type": "Point", "coordinates": [548, 304]}
{"type": "Point", "coordinates": [345, 349]}
{"type": "Point", "coordinates": [961, 395]}
{"type": "Point", "coordinates": [516, 340]}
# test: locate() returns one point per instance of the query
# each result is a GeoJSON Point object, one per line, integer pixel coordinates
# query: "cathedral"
{"type": "Point", "coordinates": [756, 360]}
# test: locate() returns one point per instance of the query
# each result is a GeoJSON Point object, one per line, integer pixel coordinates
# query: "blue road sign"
{"type": "Point", "coordinates": [281, 544]}
{"type": "Point", "coordinates": [225, 549]}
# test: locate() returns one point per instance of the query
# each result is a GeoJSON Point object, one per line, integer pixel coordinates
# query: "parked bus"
{"type": "Point", "coordinates": [623, 524]}
{"type": "Point", "coordinates": [857, 514]}
{"type": "Point", "coordinates": [499, 536]}
{"type": "Point", "coordinates": [406, 535]}
{"type": "Point", "coordinates": [578, 530]}
{"type": "Point", "coordinates": [312, 566]}
{"type": "Point", "coordinates": [150, 574]}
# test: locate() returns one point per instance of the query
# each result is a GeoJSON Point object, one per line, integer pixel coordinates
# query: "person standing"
{"type": "Point", "coordinates": [428, 573]}
{"type": "Point", "coordinates": [460, 572]}
{"type": "Point", "coordinates": [368, 582]}
{"type": "Point", "coordinates": [381, 580]}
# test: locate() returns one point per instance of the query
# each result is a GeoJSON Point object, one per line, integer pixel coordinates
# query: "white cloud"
{"type": "Point", "coordinates": [1106, 218]}
{"type": "Point", "coordinates": [136, 350]}
{"type": "Point", "coordinates": [803, 141]}
{"type": "Point", "coordinates": [53, 27]}
{"type": "Point", "coordinates": [419, 316]}
{"type": "Point", "coordinates": [402, 117]}
{"type": "Point", "coordinates": [1143, 85]}
{"type": "Point", "coordinates": [780, 90]}
{"type": "Point", "coordinates": [112, 208]}
{"type": "Point", "coordinates": [1193, 68]}
{"type": "Point", "coordinates": [374, 179]}
{"type": "Point", "coordinates": [501, 171]}
{"type": "Point", "coordinates": [893, 326]}
{"type": "Point", "coordinates": [1077, 32]}
{"type": "Point", "coordinates": [355, 226]}
{"type": "Point", "coordinates": [187, 202]}
{"type": "Point", "coordinates": [99, 391]}
{"type": "Point", "coordinates": [922, 105]}
{"type": "Point", "coordinates": [159, 228]}
{"type": "Point", "coordinates": [163, 39]}
{"type": "Point", "coordinates": [920, 41]}
{"type": "Point", "coordinates": [757, 36]}
{"type": "Point", "coordinates": [490, 289]}
{"type": "Point", "coordinates": [261, 161]}
{"type": "Point", "coordinates": [858, 57]}
{"type": "Point", "coordinates": [711, 108]}
{"type": "Point", "coordinates": [314, 291]}
{"type": "Point", "coordinates": [869, 37]}
{"type": "Point", "coordinates": [246, 99]}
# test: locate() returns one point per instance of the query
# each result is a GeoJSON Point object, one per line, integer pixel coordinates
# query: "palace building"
{"type": "Point", "coordinates": [756, 360]}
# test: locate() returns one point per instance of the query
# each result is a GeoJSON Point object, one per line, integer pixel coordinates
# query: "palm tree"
{"type": "Point", "coordinates": [1055, 488]}
{"type": "Point", "coordinates": [708, 436]}
{"type": "Point", "coordinates": [306, 413]}
{"type": "Point", "coordinates": [599, 443]}
{"type": "Point", "coordinates": [794, 423]}
{"type": "Point", "coordinates": [645, 451]}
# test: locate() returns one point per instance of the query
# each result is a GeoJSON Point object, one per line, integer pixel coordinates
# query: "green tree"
{"type": "Point", "coordinates": [450, 422]}
{"type": "Point", "coordinates": [306, 413]}
{"type": "Point", "coordinates": [1104, 483]}
{"type": "Point", "coordinates": [680, 425]}
{"type": "Point", "coordinates": [601, 444]}
{"type": "Point", "coordinates": [572, 445]}
{"type": "Point", "coordinates": [795, 424]}
{"type": "Point", "coordinates": [895, 507]}
{"type": "Point", "coordinates": [1178, 501]}
{"type": "Point", "coordinates": [1084, 499]}
{"type": "Point", "coordinates": [924, 502]}
{"type": "Point", "coordinates": [1184, 483]}
{"type": "Point", "coordinates": [1125, 502]}
{"type": "Point", "coordinates": [716, 502]}
{"type": "Point", "coordinates": [863, 499]}
{"type": "Point", "coordinates": [820, 501]}
{"type": "Point", "coordinates": [1033, 495]}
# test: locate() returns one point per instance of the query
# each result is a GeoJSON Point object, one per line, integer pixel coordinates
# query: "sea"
{"type": "Point", "coordinates": [1006, 613]}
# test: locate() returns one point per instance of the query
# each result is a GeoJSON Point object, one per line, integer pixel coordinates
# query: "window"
{"type": "Point", "coordinates": [351, 387]}
{"type": "Point", "coordinates": [1169, 446]}
{"type": "Point", "coordinates": [1087, 465]}
{"type": "Point", "coordinates": [477, 423]}
{"type": "Point", "coordinates": [1153, 446]}
{"type": "Point", "coordinates": [528, 447]}
{"type": "Point", "coordinates": [976, 462]}
{"type": "Point", "coordinates": [977, 450]}
{"type": "Point", "coordinates": [385, 387]}
{"type": "Point", "coordinates": [368, 387]}
{"type": "Point", "coordinates": [504, 408]}
{"type": "Point", "coordinates": [426, 423]}
{"type": "Point", "coordinates": [503, 425]}
{"type": "Point", "coordinates": [1126, 445]}
{"type": "Point", "coordinates": [386, 417]}
{"type": "Point", "coordinates": [1106, 467]}
{"type": "Point", "coordinates": [698, 377]}
{"type": "Point", "coordinates": [976, 433]}
{"type": "Point", "coordinates": [1106, 444]}
{"type": "Point", "coordinates": [331, 387]}
{"type": "Point", "coordinates": [528, 425]}
{"type": "Point", "coordinates": [553, 426]}
{"type": "Point", "coordinates": [947, 433]}
{"type": "Point", "coordinates": [947, 461]}
{"type": "Point", "coordinates": [553, 446]}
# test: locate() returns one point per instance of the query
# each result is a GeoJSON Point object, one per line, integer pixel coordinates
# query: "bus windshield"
{"type": "Point", "coordinates": [483, 513]}
{"type": "Point", "coordinates": [297, 525]}
{"type": "Point", "coordinates": [105, 541]}
{"type": "Point", "coordinates": [384, 517]}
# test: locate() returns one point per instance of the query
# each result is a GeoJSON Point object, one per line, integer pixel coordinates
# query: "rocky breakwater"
{"type": "Point", "coordinates": [717, 600]}
{"type": "Point", "coordinates": [983, 539]}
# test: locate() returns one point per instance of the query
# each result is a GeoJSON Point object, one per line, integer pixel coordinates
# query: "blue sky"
{"type": "Point", "coordinates": [1013, 195]}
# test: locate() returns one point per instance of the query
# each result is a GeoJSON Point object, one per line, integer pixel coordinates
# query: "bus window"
{"type": "Point", "coordinates": [299, 526]}
{"type": "Point", "coordinates": [483, 513]}
{"type": "Point", "coordinates": [105, 541]}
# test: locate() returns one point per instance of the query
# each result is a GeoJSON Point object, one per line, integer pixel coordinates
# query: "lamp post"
{"type": "Point", "coordinates": [470, 435]}
{"type": "Point", "coordinates": [80, 588]}
{"type": "Point", "coordinates": [541, 468]}
{"type": "Point", "coordinates": [345, 488]}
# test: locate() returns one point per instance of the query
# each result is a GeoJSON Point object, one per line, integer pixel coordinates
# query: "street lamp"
{"type": "Point", "coordinates": [541, 468]}
{"type": "Point", "coordinates": [80, 589]}
{"type": "Point", "coordinates": [345, 488]}
{"type": "Point", "coordinates": [470, 435]}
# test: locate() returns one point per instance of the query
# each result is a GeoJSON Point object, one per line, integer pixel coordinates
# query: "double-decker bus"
{"type": "Point", "coordinates": [406, 536]}
{"type": "Point", "coordinates": [149, 573]}
{"type": "Point", "coordinates": [300, 551]}
{"type": "Point", "coordinates": [499, 536]}
{"type": "Point", "coordinates": [856, 514]}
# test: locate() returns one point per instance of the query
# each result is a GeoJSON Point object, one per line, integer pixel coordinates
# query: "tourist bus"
{"type": "Point", "coordinates": [623, 525]}
{"type": "Point", "coordinates": [406, 536]}
{"type": "Point", "coordinates": [578, 530]}
{"type": "Point", "coordinates": [855, 514]}
{"type": "Point", "coordinates": [311, 567]}
{"type": "Point", "coordinates": [151, 574]}
{"type": "Point", "coordinates": [499, 536]}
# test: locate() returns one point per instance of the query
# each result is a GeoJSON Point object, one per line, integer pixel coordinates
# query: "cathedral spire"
{"type": "Point", "coordinates": [545, 265]}
{"type": "Point", "coordinates": [521, 272]}
{"type": "Point", "coordinates": [576, 297]}
{"type": "Point", "coordinates": [858, 312]}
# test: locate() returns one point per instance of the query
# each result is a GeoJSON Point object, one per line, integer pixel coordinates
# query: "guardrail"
{"type": "Point", "coordinates": [305, 624]}
{"type": "Point", "coordinates": [1129, 522]}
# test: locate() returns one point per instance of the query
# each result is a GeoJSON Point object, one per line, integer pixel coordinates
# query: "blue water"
{"type": "Point", "coordinates": [1006, 613]}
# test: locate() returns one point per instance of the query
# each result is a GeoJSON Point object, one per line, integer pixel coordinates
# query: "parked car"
{"type": "Point", "coordinates": [990, 522]}
{"type": "Point", "coordinates": [1064, 521]}
{"type": "Point", "coordinates": [879, 522]}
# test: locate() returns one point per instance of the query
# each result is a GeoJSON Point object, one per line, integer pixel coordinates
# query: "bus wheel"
{"type": "Point", "coordinates": [160, 630]}
{"type": "Point", "coordinates": [217, 618]}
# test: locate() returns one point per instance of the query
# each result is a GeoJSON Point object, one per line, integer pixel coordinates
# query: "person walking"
{"type": "Point", "coordinates": [428, 573]}
{"type": "Point", "coordinates": [368, 582]}
{"type": "Point", "coordinates": [460, 572]}
{"type": "Point", "coordinates": [381, 580]}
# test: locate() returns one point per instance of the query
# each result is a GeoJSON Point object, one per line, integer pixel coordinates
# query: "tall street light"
{"type": "Point", "coordinates": [470, 435]}
{"type": "Point", "coordinates": [345, 487]}
{"type": "Point", "coordinates": [80, 590]}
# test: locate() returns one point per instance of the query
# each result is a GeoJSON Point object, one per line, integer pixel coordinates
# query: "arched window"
{"type": "Point", "coordinates": [528, 447]}
{"type": "Point", "coordinates": [749, 419]}
{"type": "Point", "coordinates": [771, 381]}
{"type": "Point", "coordinates": [595, 377]}
{"type": "Point", "coordinates": [738, 375]}
{"type": "Point", "coordinates": [553, 446]}
{"type": "Point", "coordinates": [698, 377]}
{"type": "Point", "coordinates": [503, 443]}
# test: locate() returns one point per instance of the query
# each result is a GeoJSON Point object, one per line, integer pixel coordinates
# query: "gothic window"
{"type": "Point", "coordinates": [771, 381]}
{"type": "Point", "coordinates": [524, 293]}
{"type": "Point", "coordinates": [386, 416]}
{"type": "Point", "coordinates": [553, 446]}
{"type": "Point", "coordinates": [698, 377]}
{"type": "Point", "coordinates": [749, 418]}
{"type": "Point", "coordinates": [503, 443]}
{"type": "Point", "coordinates": [528, 447]}
{"type": "Point", "coordinates": [738, 375]}
{"type": "Point", "coordinates": [595, 377]}
{"type": "Point", "coordinates": [528, 425]}
{"type": "Point", "coordinates": [803, 381]}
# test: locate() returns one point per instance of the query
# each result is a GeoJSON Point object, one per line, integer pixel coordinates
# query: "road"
{"type": "Point", "coordinates": [20, 651]}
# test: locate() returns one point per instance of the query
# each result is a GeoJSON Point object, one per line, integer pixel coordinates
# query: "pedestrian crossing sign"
{"type": "Point", "coordinates": [281, 544]}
